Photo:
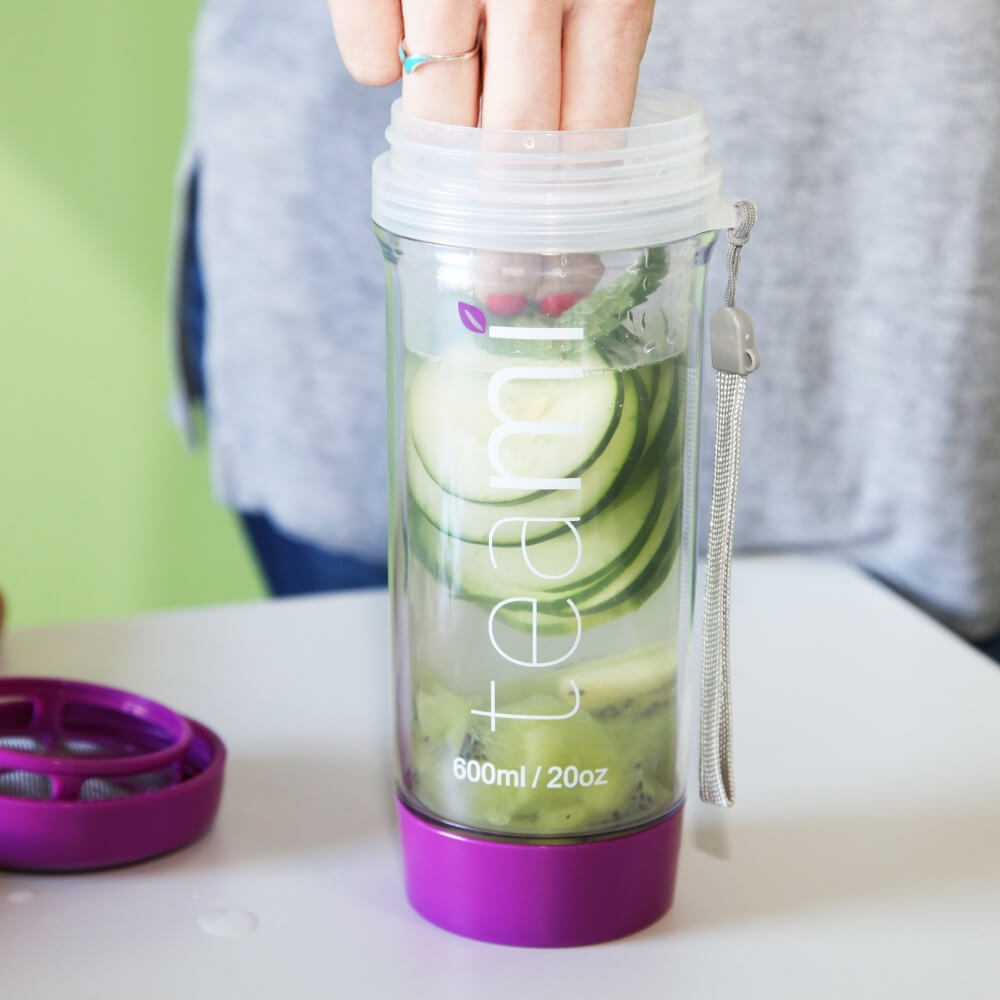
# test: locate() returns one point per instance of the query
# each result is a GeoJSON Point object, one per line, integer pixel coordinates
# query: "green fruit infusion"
{"type": "Point", "coordinates": [544, 468]}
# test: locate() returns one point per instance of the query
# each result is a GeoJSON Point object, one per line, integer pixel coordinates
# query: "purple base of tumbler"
{"type": "Point", "coordinates": [539, 895]}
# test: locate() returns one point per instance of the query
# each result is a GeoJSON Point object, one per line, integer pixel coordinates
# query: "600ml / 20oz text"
{"type": "Point", "coordinates": [487, 773]}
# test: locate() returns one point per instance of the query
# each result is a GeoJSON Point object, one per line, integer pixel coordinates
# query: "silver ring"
{"type": "Point", "coordinates": [412, 61]}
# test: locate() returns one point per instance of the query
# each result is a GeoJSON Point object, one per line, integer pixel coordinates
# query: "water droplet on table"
{"type": "Point", "coordinates": [228, 923]}
{"type": "Point", "coordinates": [19, 896]}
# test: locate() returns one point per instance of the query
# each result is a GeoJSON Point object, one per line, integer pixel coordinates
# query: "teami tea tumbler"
{"type": "Point", "coordinates": [545, 312]}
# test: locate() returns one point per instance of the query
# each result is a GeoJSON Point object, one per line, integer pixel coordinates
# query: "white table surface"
{"type": "Point", "coordinates": [864, 850]}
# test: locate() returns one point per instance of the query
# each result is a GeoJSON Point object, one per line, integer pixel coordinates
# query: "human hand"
{"type": "Point", "coordinates": [543, 65]}
{"type": "Point", "coordinates": [546, 64]}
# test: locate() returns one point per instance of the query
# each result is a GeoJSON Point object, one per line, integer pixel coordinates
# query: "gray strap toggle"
{"type": "Point", "coordinates": [731, 337]}
{"type": "Point", "coordinates": [734, 357]}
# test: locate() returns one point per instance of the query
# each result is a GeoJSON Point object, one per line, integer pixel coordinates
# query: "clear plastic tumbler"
{"type": "Point", "coordinates": [545, 308]}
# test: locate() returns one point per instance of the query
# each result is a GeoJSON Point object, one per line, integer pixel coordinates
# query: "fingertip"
{"type": "Point", "coordinates": [568, 275]}
{"type": "Point", "coordinates": [377, 73]}
{"type": "Point", "coordinates": [368, 36]}
{"type": "Point", "coordinates": [503, 279]}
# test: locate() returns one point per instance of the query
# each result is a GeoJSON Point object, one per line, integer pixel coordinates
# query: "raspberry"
{"type": "Point", "coordinates": [556, 304]}
{"type": "Point", "coordinates": [506, 305]}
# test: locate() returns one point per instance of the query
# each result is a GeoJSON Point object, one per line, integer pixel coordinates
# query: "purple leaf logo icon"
{"type": "Point", "coordinates": [473, 318]}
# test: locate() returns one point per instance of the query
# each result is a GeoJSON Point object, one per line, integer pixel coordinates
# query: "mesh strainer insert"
{"type": "Point", "coordinates": [91, 776]}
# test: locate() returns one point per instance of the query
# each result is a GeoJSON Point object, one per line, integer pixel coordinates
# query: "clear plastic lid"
{"type": "Point", "coordinates": [553, 192]}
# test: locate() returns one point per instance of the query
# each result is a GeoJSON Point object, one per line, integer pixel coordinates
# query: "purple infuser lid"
{"type": "Point", "coordinates": [92, 777]}
{"type": "Point", "coordinates": [539, 895]}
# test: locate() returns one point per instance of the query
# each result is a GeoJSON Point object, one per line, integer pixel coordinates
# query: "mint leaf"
{"type": "Point", "coordinates": [602, 313]}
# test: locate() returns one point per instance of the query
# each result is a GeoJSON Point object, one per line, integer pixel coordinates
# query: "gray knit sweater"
{"type": "Point", "coordinates": [867, 132]}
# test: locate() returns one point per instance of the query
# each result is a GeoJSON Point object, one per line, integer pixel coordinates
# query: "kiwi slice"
{"type": "Point", "coordinates": [617, 679]}
{"type": "Point", "coordinates": [549, 773]}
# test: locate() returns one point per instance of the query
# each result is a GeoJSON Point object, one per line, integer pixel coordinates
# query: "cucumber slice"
{"type": "Point", "coordinates": [559, 621]}
{"type": "Point", "coordinates": [451, 420]}
{"type": "Point", "coordinates": [618, 592]}
{"type": "Point", "coordinates": [665, 407]}
{"type": "Point", "coordinates": [569, 558]}
{"type": "Point", "coordinates": [606, 565]}
{"type": "Point", "coordinates": [576, 562]}
{"type": "Point", "coordinates": [601, 480]}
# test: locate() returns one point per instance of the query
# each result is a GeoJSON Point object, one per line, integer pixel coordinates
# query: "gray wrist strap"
{"type": "Point", "coordinates": [733, 357]}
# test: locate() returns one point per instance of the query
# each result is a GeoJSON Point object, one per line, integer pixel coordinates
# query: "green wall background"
{"type": "Point", "coordinates": [102, 511]}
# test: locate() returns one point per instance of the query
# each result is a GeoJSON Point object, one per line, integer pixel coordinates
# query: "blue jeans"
{"type": "Point", "coordinates": [991, 647]}
{"type": "Point", "coordinates": [290, 565]}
